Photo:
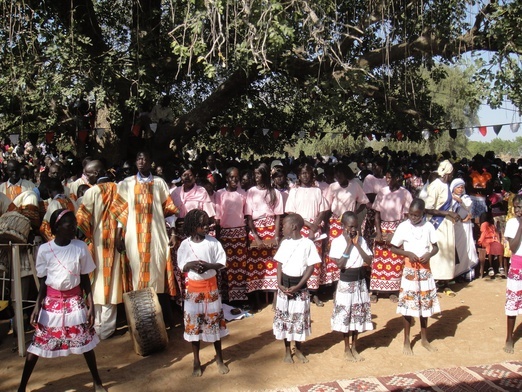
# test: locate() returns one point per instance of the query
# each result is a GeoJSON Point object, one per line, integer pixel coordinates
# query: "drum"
{"type": "Point", "coordinates": [14, 227]}
{"type": "Point", "coordinates": [145, 320]}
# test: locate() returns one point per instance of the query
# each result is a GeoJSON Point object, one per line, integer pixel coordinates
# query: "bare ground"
{"type": "Point", "coordinates": [470, 331]}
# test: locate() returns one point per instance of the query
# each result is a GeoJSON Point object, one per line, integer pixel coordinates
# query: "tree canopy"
{"type": "Point", "coordinates": [236, 68]}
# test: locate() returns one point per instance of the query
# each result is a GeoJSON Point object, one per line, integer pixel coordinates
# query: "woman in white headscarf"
{"type": "Point", "coordinates": [438, 207]}
{"type": "Point", "coordinates": [464, 242]}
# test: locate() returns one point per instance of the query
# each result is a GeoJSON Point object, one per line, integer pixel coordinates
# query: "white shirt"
{"type": "Point", "coordinates": [209, 250]}
{"type": "Point", "coordinates": [296, 255]}
{"type": "Point", "coordinates": [416, 239]}
{"type": "Point", "coordinates": [63, 265]}
{"type": "Point", "coordinates": [355, 260]}
{"type": "Point", "coordinates": [511, 232]}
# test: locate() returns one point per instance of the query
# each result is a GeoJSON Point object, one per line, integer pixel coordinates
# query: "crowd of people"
{"type": "Point", "coordinates": [213, 227]}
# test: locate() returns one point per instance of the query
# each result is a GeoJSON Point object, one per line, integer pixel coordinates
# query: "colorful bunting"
{"type": "Point", "coordinates": [483, 131]}
{"type": "Point", "coordinates": [514, 127]}
{"type": "Point", "coordinates": [497, 128]}
{"type": "Point", "coordinates": [223, 131]}
{"type": "Point", "coordinates": [276, 134]}
{"type": "Point", "coordinates": [453, 133]}
{"type": "Point", "coordinates": [49, 136]}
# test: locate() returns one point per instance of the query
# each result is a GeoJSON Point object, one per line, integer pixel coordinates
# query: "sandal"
{"type": "Point", "coordinates": [491, 272]}
{"type": "Point", "coordinates": [449, 292]}
{"type": "Point", "coordinates": [374, 299]}
{"type": "Point", "coordinates": [317, 301]}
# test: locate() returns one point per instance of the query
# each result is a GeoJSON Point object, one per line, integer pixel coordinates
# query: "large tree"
{"type": "Point", "coordinates": [247, 65]}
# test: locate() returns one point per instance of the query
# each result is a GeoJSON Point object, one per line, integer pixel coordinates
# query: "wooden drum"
{"type": "Point", "coordinates": [14, 227]}
{"type": "Point", "coordinates": [145, 320]}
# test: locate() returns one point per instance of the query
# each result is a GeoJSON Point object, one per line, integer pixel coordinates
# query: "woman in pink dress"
{"type": "Point", "coordinates": [306, 199]}
{"type": "Point", "coordinates": [187, 197]}
{"type": "Point", "coordinates": [263, 210]}
{"type": "Point", "coordinates": [342, 195]}
{"type": "Point", "coordinates": [391, 207]}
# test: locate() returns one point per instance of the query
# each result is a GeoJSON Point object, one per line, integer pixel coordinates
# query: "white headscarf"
{"type": "Point", "coordinates": [455, 183]}
{"type": "Point", "coordinates": [445, 167]}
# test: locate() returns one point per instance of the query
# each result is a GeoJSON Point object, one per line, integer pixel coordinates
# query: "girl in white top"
{"type": "Point", "coordinates": [416, 239]}
{"type": "Point", "coordinates": [513, 306]}
{"type": "Point", "coordinates": [63, 266]}
{"type": "Point", "coordinates": [295, 263]}
{"type": "Point", "coordinates": [351, 312]}
{"type": "Point", "coordinates": [200, 256]}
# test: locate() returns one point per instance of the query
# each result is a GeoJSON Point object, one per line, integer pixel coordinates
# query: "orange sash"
{"type": "Point", "coordinates": [202, 286]}
{"type": "Point", "coordinates": [415, 265]}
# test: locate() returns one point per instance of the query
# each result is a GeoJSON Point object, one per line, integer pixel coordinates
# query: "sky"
{"type": "Point", "coordinates": [507, 114]}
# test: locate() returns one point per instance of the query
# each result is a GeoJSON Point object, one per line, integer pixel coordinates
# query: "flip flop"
{"type": "Point", "coordinates": [449, 292]}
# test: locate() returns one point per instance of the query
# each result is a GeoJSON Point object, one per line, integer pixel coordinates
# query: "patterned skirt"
{"type": "Point", "coordinates": [418, 293]}
{"type": "Point", "coordinates": [203, 313]}
{"type": "Point", "coordinates": [368, 227]}
{"type": "Point", "coordinates": [234, 242]}
{"type": "Point", "coordinates": [514, 292]}
{"type": "Point", "coordinates": [319, 268]}
{"type": "Point", "coordinates": [261, 267]}
{"type": "Point", "coordinates": [352, 311]}
{"type": "Point", "coordinates": [386, 266]}
{"type": "Point", "coordinates": [332, 272]}
{"type": "Point", "coordinates": [292, 320]}
{"type": "Point", "coordinates": [62, 328]}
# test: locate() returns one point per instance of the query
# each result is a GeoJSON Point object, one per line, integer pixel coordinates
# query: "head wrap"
{"type": "Point", "coordinates": [445, 167]}
{"type": "Point", "coordinates": [456, 182]}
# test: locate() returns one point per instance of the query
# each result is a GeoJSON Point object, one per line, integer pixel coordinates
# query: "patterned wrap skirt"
{"type": "Point", "coordinates": [319, 272]}
{"type": "Point", "coordinates": [234, 242]}
{"type": "Point", "coordinates": [351, 310]}
{"type": "Point", "coordinates": [62, 327]}
{"type": "Point", "coordinates": [386, 265]}
{"type": "Point", "coordinates": [332, 272]}
{"type": "Point", "coordinates": [203, 313]}
{"type": "Point", "coordinates": [261, 267]}
{"type": "Point", "coordinates": [418, 293]}
{"type": "Point", "coordinates": [514, 287]}
{"type": "Point", "coordinates": [292, 320]}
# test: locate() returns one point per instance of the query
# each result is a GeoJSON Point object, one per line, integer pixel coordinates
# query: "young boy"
{"type": "Point", "coordinates": [295, 263]}
{"type": "Point", "coordinates": [416, 240]}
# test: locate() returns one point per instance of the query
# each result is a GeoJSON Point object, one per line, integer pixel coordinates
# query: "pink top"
{"type": "Point", "coordinates": [257, 203]}
{"type": "Point", "coordinates": [307, 202]}
{"type": "Point", "coordinates": [229, 207]}
{"type": "Point", "coordinates": [373, 184]}
{"type": "Point", "coordinates": [345, 199]}
{"type": "Point", "coordinates": [392, 205]}
{"type": "Point", "coordinates": [196, 198]}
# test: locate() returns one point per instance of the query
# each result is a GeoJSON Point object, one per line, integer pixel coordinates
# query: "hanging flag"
{"type": "Point", "coordinates": [425, 134]}
{"type": "Point", "coordinates": [453, 133]}
{"type": "Point", "coordinates": [497, 128]}
{"type": "Point", "coordinates": [370, 137]}
{"type": "Point", "coordinates": [399, 135]}
{"type": "Point", "coordinates": [238, 131]}
{"type": "Point", "coordinates": [468, 131]}
{"type": "Point", "coordinates": [136, 128]}
{"type": "Point", "coordinates": [49, 136]}
{"type": "Point", "coordinates": [265, 131]}
{"type": "Point", "coordinates": [15, 138]}
{"type": "Point", "coordinates": [301, 134]}
{"type": "Point", "coordinates": [345, 135]}
{"type": "Point", "coordinates": [312, 133]}
{"type": "Point", "coordinates": [153, 127]}
{"type": "Point", "coordinates": [333, 135]}
{"type": "Point", "coordinates": [100, 132]}
{"type": "Point", "coordinates": [378, 137]}
{"type": "Point", "coordinates": [514, 127]}
{"type": "Point", "coordinates": [323, 134]}
{"type": "Point", "coordinates": [483, 131]}
{"type": "Point", "coordinates": [436, 131]}
{"type": "Point", "coordinates": [82, 135]}
{"type": "Point", "coordinates": [388, 137]}
{"type": "Point", "coordinates": [276, 134]}
{"type": "Point", "coordinates": [223, 131]}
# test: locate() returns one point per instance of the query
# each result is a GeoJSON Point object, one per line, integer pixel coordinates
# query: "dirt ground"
{"type": "Point", "coordinates": [470, 331]}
